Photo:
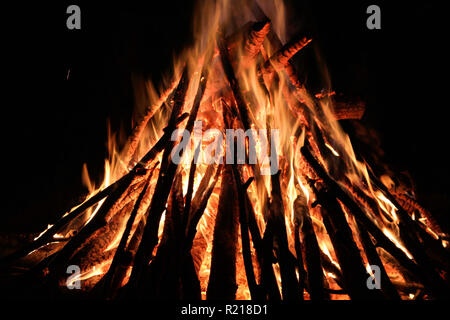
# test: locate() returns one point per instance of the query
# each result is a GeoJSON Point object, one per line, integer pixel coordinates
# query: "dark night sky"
{"type": "Point", "coordinates": [52, 125]}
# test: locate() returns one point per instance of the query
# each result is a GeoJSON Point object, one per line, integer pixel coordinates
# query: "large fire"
{"type": "Point", "coordinates": [317, 229]}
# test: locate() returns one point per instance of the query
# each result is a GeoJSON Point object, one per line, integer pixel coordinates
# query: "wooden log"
{"type": "Point", "coordinates": [122, 258]}
{"type": "Point", "coordinates": [198, 211]}
{"type": "Point", "coordinates": [254, 289]}
{"type": "Point", "coordinates": [263, 248]}
{"type": "Point", "coordinates": [190, 190]}
{"type": "Point", "coordinates": [348, 110]}
{"type": "Point", "coordinates": [290, 287]}
{"type": "Point", "coordinates": [386, 285]}
{"type": "Point", "coordinates": [164, 279]}
{"type": "Point", "coordinates": [243, 113]}
{"type": "Point", "coordinates": [189, 279]}
{"type": "Point", "coordinates": [245, 44]}
{"type": "Point", "coordinates": [415, 238]}
{"type": "Point", "coordinates": [311, 251]}
{"type": "Point", "coordinates": [347, 253]}
{"type": "Point", "coordinates": [222, 280]}
{"type": "Point", "coordinates": [161, 193]}
{"type": "Point", "coordinates": [300, 264]}
{"type": "Point", "coordinates": [280, 59]}
{"type": "Point", "coordinates": [411, 205]}
{"type": "Point", "coordinates": [59, 264]}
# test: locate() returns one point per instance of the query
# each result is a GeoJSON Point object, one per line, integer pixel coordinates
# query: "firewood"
{"type": "Point", "coordinates": [122, 258]}
{"type": "Point", "coordinates": [311, 252]}
{"type": "Point", "coordinates": [348, 110]}
{"type": "Point", "coordinates": [197, 211]}
{"type": "Point", "coordinates": [280, 59]}
{"type": "Point", "coordinates": [411, 205]}
{"type": "Point", "coordinates": [262, 247]}
{"type": "Point", "coordinates": [382, 240]}
{"type": "Point", "coordinates": [289, 283]}
{"type": "Point", "coordinates": [161, 192]}
{"type": "Point", "coordinates": [190, 189]}
{"type": "Point", "coordinates": [242, 111]}
{"type": "Point", "coordinates": [416, 238]}
{"type": "Point", "coordinates": [255, 290]}
{"type": "Point", "coordinates": [163, 274]}
{"type": "Point", "coordinates": [347, 253]}
{"type": "Point", "coordinates": [222, 279]}
{"type": "Point", "coordinates": [245, 44]}
{"type": "Point", "coordinates": [264, 255]}
{"type": "Point", "coordinates": [58, 265]}
{"type": "Point", "coordinates": [233, 82]}
{"type": "Point", "coordinates": [386, 285]}
{"type": "Point", "coordinates": [300, 264]}
{"type": "Point", "coordinates": [189, 279]}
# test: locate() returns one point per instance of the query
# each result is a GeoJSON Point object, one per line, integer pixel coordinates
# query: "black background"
{"type": "Point", "coordinates": [51, 125]}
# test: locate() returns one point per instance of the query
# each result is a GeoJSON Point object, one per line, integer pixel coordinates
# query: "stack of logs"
{"type": "Point", "coordinates": [166, 268]}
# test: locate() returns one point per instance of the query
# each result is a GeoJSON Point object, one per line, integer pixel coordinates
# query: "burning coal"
{"type": "Point", "coordinates": [320, 225]}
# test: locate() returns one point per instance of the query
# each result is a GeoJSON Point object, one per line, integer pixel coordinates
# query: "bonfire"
{"type": "Point", "coordinates": [296, 215]}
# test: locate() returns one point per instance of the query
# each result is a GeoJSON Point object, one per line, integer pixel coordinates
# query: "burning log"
{"type": "Point", "coordinates": [276, 223]}
{"type": "Point", "coordinates": [348, 255]}
{"type": "Point", "coordinates": [243, 220]}
{"type": "Point", "coordinates": [222, 279]}
{"type": "Point", "coordinates": [311, 251]}
{"type": "Point", "coordinates": [386, 285]}
{"type": "Point", "coordinates": [280, 59]}
{"type": "Point", "coordinates": [164, 281]}
{"type": "Point", "coordinates": [189, 276]}
{"type": "Point", "coordinates": [161, 193]}
{"type": "Point", "coordinates": [245, 45]}
{"type": "Point", "coordinates": [300, 264]}
{"type": "Point", "coordinates": [190, 189]}
{"type": "Point", "coordinates": [349, 110]}
{"type": "Point", "coordinates": [411, 205]}
{"type": "Point", "coordinates": [123, 257]}
{"type": "Point", "coordinates": [199, 207]}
